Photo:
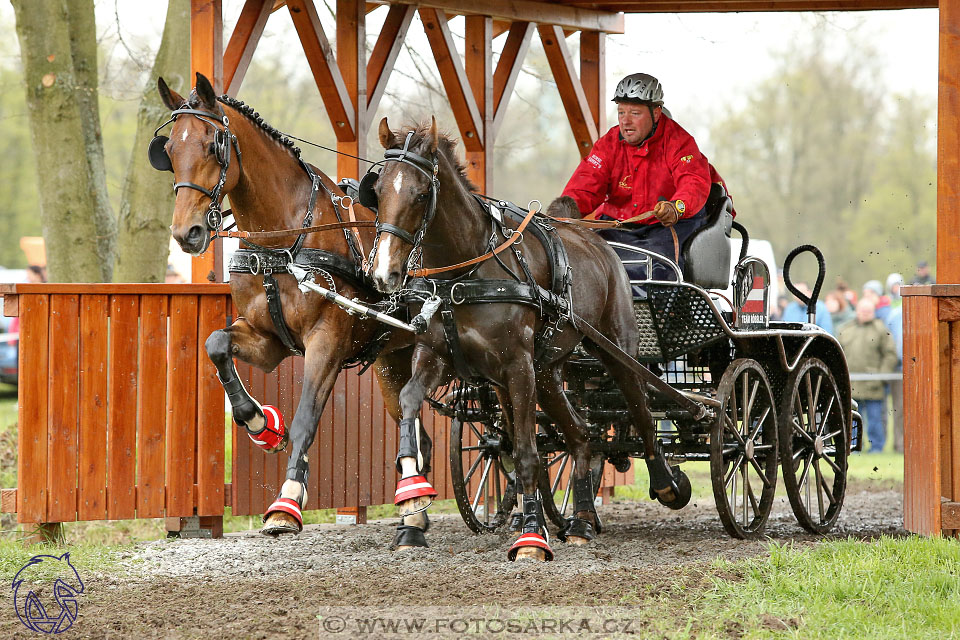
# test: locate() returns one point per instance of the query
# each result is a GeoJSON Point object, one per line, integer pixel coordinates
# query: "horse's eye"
{"type": "Point", "coordinates": [423, 197]}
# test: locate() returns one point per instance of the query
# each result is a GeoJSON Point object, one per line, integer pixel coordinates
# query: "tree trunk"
{"type": "Point", "coordinates": [55, 37]}
{"type": "Point", "coordinates": [145, 212]}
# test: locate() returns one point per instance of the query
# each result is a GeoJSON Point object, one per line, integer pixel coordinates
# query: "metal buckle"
{"type": "Point", "coordinates": [214, 219]}
{"type": "Point", "coordinates": [255, 264]}
{"type": "Point", "coordinates": [453, 289]}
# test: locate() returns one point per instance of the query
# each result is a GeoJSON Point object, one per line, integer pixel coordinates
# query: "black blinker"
{"type": "Point", "coordinates": [367, 189]}
{"type": "Point", "coordinates": [159, 159]}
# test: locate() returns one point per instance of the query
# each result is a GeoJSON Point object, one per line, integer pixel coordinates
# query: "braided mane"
{"type": "Point", "coordinates": [257, 119]}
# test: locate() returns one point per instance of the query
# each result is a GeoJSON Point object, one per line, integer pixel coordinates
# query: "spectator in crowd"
{"type": "Point", "coordinates": [869, 348]}
{"type": "Point", "coordinates": [894, 281]}
{"type": "Point", "coordinates": [796, 311]}
{"type": "Point", "coordinates": [873, 290]}
{"type": "Point", "coordinates": [36, 273]}
{"type": "Point", "coordinates": [841, 311]}
{"type": "Point", "coordinates": [894, 388]}
{"type": "Point", "coordinates": [923, 274]}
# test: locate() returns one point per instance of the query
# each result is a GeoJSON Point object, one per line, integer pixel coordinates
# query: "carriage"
{"type": "Point", "coordinates": [726, 386]}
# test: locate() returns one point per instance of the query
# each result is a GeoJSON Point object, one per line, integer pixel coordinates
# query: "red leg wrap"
{"type": "Point", "coordinates": [530, 540]}
{"type": "Point", "coordinates": [286, 505]}
{"type": "Point", "coordinates": [413, 487]}
{"type": "Point", "coordinates": [273, 436]}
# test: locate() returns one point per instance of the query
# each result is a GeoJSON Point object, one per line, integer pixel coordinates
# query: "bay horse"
{"type": "Point", "coordinates": [219, 146]}
{"type": "Point", "coordinates": [428, 215]}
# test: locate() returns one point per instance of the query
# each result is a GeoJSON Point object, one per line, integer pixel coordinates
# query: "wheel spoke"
{"type": "Point", "coordinates": [733, 471]}
{"type": "Point", "coordinates": [496, 483]}
{"type": "Point", "coordinates": [806, 469]}
{"type": "Point", "coordinates": [825, 415]}
{"type": "Point", "coordinates": [819, 480]}
{"type": "Point", "coordinates": [483, 485]}
{"type": "Point", "coordinates": [760, 472]}
{"type": "Point", "coordinates": [473, 448]}
{"type": "Point", "coordinates": [473, 469]}
{"type": "Point", "coordinates": [833, 465]}
{"type": "Point", "coordinates": [800, 430]}
{"type": "Point", "coordinates": [475, 431]}
{"type": "Point", "coordinates": [746, 488]}
{"type": "Point", "coordinates": [556, 481]}
{"type": "Point", "coordinates": [730, 426]}
{"type": "Point", "coordinates": [831, 436]}
{"type": "Point", "coordinates": [760, 421]}
{"type": "Point", "coordinates": [753, 398]}
{"type": "Point", "coordinates": [827, 490]}
{"type": "Point", "coordinates": [815, 401]}
{"type": "Point", "coordinates": [753, 499]}
{"type": "Point", "coordinates": [745, 418]}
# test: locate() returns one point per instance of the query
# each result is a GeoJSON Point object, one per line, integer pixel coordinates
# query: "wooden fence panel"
{"type": "Point", "coordinates": [122, 406]}
{"type": "Point", "coordinates": [63, 414]}
{"type": "Point", "coordinates": [181, 405]}
{"type": "Point", "coordinates": [210, 412]}
{"type": "Point", "coordinates": [92, 486]}
{"type": "Point", "coordinates": [32, 414]}
{"type": "Point", "coordinates": [152, 407]}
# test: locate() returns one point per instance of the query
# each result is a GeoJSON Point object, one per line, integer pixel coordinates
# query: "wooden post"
{"type": "Point", "coordinates": [948, 146]}
{"type": "Point", "coordinates": [593, 71]}
{"type": "Point", "coordinates": [479, 69]}
{"type": "Point", "coordinates": [568, 84]}
{"type": "Point", "coordinates": [206, 57]}
{"type": "Point", "coordinates": [351, 58]}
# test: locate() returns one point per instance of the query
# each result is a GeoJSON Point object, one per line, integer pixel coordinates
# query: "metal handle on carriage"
{"type": "Point", "coordinates": [351, 306]}
{"type": "Point", "coordinates": [811, 302]}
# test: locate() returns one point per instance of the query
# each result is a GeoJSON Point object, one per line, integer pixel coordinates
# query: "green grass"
{"type": "Point", "coordinates": [885, 588]}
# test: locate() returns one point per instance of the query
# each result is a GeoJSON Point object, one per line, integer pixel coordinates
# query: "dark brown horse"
{"type": "Point", "coordinates": [437, 220]}
{"type": "Point", "coordinates": [219, 146]}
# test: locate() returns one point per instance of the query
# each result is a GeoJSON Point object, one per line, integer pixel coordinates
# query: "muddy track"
{"type": "Point", "coordinates": [226, 588]}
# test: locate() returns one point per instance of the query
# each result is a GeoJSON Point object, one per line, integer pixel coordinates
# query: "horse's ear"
{"type": "Point", "coordinates": [434, 135]}
{"type": "Point", "coordinates": [387, 139]}
{"type": "Point", "coordinates": [171, 98]}
{"type": "Point", "coordinates": [205, 92]}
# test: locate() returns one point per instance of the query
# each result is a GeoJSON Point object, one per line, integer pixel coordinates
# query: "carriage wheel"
{"type": "Point", "coordinates": [743, 449]}
{"type": "Point", "coordinates": [813, 446]}
{"type": "Point", "coordinates": [556, 486]}
{"type": "Point", "coordinates": [483, 477]}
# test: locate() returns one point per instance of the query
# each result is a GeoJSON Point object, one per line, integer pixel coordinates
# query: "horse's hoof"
{"type": "Point", "coordinates": [278, 523]}
{"type": "Point", "coordinates": [414, 505]}
{"type": "Point", "coordinates": [407, 547]}
{"type": "Point", "coordinates": [576, 541]}
{"type": "Point", "coordinates": [531, 553]}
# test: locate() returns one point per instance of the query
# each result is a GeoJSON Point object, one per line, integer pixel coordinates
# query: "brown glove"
{"type": "Point", "coordinates": [666, 213]}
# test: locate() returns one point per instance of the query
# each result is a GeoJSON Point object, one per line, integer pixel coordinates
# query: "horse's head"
{"type": "Point", "coordinates": [406, 191]}
{"type": "Point", "coordinates": [203, 155]}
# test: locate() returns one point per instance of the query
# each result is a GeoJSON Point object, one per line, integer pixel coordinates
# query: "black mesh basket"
{"type": "Point", "coordinates": [682, 318]}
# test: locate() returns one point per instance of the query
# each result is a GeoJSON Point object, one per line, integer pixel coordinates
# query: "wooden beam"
{"type": "Point", "coordinates": [385, 52]}
{"type": "Point", "coordinates": [351, 59]}
{"type": "Point", "coordinates": [478, 56]}
{"type": "Point", "coordinates": [454, 78]}
{"type": "Point", "coordinates": [508, 68]}
{"type": "Point", "coordinates": [243, 42]}
{"type": "Point", "coordinates": [323, 64]}
{"type": "Point", "coordinates": [948, 151]}
{"type": "Point", "coordinates": [593, 75]}
{"type": "Point", "coordinates": [562, 15]}
{"type": "Point", "coordinates": [723, 6]}
{"type": "Point", "coordinates": [500, 27]}
{"type": "Point", "coordinates": [206, 57]}
{"type": "Point", "coordinates": [571, 91]}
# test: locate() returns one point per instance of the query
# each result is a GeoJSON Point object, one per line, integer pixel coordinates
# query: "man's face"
{"type": "Point", "coordinates": [865, 311]}
{"type": "Point", "coordinates": [635, 121]}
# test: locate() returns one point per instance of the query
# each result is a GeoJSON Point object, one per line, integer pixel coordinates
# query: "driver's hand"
{"type": "Point", "coordinates": [666, 213]}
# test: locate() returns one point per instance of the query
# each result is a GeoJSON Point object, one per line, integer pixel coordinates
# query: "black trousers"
{"type": "Point", "coordinates": [656, 238]}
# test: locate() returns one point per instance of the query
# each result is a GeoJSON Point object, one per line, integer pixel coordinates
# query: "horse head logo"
{"type": "Point", "coordinates": [47, 581]}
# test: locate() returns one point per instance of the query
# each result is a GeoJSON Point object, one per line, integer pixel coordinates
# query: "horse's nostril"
{"type": "Point", "coordinates": [195, 234]}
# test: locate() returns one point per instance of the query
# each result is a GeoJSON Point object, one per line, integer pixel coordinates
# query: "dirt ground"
{"type": "Point", "coordinates": [249, 586]}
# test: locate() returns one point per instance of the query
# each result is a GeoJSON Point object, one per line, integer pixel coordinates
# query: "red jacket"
{"type": "Point", "coordinates": [621, 181]}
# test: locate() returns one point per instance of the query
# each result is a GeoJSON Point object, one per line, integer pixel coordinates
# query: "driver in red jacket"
{"type": "Point", "coordinates": [647, 163]}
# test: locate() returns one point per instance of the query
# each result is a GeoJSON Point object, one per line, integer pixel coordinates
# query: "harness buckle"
{"type": "Point", "coordinates": [214, 217]}
{"type": "Point", "coordinates": [255, 264]}
{"type": "Point", "coordinates": [453, 295]}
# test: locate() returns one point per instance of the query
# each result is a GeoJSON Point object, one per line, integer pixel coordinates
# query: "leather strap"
{"type": "Point", "coordinates": [452, 339]}
{"type": "Point", "coordinates": [423, 273]}
{"type": "Point", "coordinates": [282, 233]}
{"type": "Point", "coordinates": [276, 313]}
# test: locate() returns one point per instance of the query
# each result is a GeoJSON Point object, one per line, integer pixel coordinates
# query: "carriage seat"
{"type": "Point", "coordinates": [706, 253]}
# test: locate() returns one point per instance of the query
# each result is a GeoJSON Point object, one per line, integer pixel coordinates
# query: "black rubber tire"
{"type": "Point", "coordinates": [820, 439]}
{"type": "Point", "coordinates": [475, 448]}
{"type": "Point", "coordinates": [743, 445]}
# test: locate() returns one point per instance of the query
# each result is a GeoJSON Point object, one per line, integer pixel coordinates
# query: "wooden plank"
{"type": "Point", "coordinates": [385, 51]}
{"type": "Point", "coordinates": [508, 68]}
{"type": "Point", "coordinates": [240, 471]}
{"type": "Point", "coordinates": [92, 481]}
{"type": "Point", "coordinates": [8, 500]}
{"type": "Point", "coordinates": [206, 57]}
{"type": "Point", "coordinates": [352, 453]}
{"type": "Point", "coordinates": [210, 412]}
{"type": "Point", "coordinates": [921, 428]}
{"type": "Point", "coordinates": [593, 75]}
{"type": "Point", "coordinates": [63, 414]}
{"type": "Point", "coordinates": [11, 305]}
{"type": "Point", "coordinates": [571, 91]}
{"type": "Point", "coordinates": [122, 407]}
{"type": "Point", "coordinates": [378, 427]}
{"type": "Point", "coordinates": [181, 426]}
{"type": "Point", "coordinates": [949, 309]}
{"type": "Point", "coordinates": [326, 74]}
{"type": "Point", "coordinates": [351, 59]}
{"type": "Point", "coordinates": [152, 407]}
{"type": "Point", "coordinates": [454, 78]}
{"type": "Point", "coordinates": [243, 42]}
{"type": "Point", "coordinates": [338, 467]}
{"type": "Point", "coordinates": [950, 513]}
{"type": "Point", "coordinates": [125, 288]}
{"type": "Point", "coordinates": [258, 503]}
{"type": "Point", "coordinates": [365, 425]}
{"type": "Point", "coordinates": [526, 11]}
{"type": "Point", "coordinates": [326, 438]}
{"type": "Point", "coordinates": [478, 57]}
{"type": "Point", "coordinates": [272, 469]}
{"type": "Point", "coordinates": [951, 459]}
{"type": "Point", "coordinates": [723, 6]}
{"type": "Point", "coordinates": [32, 411]}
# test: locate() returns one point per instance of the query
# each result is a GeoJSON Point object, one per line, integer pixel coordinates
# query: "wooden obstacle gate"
{"type": "Point", "coordinates": [121, 414]}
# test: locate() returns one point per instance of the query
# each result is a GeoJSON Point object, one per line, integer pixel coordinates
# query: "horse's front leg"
{"type": "Point", "coordinates": [533, 542]}
{"type": "Point", "coordinates": [263, 423]}
{"type": "Point", "coordinates": [322, 360]}
{"type": "Point", "coordinates": [393, 371]}
{"type": "Point", "coordinates": [414, 493]}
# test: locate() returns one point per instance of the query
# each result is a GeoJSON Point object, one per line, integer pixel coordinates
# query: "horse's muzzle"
{"type": "Point", "coordinates": [388, 284]}
{"type": "Point", "coordinates": [195, 241]}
